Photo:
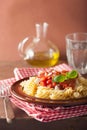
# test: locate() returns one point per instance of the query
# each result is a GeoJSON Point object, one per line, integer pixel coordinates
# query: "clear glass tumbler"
{"type": "Point", "coordinates": [76, 51]}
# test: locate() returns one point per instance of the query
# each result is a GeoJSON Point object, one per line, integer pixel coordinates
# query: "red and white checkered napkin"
{"type": "Point", "coordinates": [39, 112]}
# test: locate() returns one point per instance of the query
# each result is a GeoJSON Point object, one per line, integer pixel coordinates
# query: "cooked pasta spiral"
{"type": "Point", "coordinates": [33, 88]}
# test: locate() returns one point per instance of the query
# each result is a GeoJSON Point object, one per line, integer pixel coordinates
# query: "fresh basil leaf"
{"type": "Point", "coordinates": [72, 74]}
{"type": "Point", "coordinates": [59, 78]}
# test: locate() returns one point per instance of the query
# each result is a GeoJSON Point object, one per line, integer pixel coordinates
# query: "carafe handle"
{"type": "Point", "coordinates": [21, 46]}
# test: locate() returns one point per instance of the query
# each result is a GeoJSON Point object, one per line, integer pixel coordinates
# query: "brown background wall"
{"type": "Point", "coordinates": [18, 17]}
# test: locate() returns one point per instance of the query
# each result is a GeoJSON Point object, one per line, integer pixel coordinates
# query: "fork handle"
{"type": "Point", "coordinates": [9, 113]}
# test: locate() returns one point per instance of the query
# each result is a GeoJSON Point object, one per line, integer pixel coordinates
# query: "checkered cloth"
{"type": "Point", "coordinates": [40, 112]}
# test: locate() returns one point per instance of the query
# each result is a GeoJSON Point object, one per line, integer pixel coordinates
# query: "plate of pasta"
{"type": "Point", "coordinates": [52, 88]}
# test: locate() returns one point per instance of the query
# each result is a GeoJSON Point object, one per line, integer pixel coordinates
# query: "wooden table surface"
{"type": "Point", "coordinates": [24, 122]}
{"type": "Point", "coordinates": [7, 67]}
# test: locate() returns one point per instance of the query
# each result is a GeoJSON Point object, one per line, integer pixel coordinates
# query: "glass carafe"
{"type": "Point", "coordinates": [39, 51]}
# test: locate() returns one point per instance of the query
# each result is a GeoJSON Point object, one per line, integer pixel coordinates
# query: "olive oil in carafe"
{"type": "Point", "coordinates": [43, 59]}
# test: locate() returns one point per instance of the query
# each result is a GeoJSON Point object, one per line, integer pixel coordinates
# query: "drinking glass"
{"type": "Point", "coordinates": [76, 51]}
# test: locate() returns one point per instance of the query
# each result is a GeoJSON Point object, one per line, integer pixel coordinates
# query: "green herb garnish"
{"type": "Point", "coordinates": [59, 78]}
{"type": "Point", "coordinates": [72, 74]}
{"type": "Point", "coordinates": [69, 75]}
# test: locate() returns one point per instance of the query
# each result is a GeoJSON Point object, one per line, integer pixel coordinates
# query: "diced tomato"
{"type": "Point", "coordinates": [50, 85]}
{"type": "Point", "coordinates": [49, 77]}
{"type": "Point", "coordinates": [42, 83]}
{"type": "Point", "coordinates": [49, 81]}
{"type": "Point", "coordinates": [43, 78]}
{"type": "Point", "coordinates": [54, 84]}
{"type": "Point", "coordinates": [41, 74]}
{"type": "Point", "coordinates": [64, 72]}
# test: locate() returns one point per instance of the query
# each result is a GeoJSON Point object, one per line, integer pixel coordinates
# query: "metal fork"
{"type": "Point", "coordinates": [5, 93]}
